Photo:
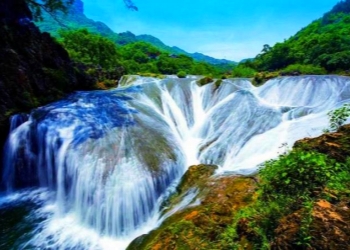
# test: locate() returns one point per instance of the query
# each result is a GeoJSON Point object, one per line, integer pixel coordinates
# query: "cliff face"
{"type": "Point", "coordinates": [34, 69]}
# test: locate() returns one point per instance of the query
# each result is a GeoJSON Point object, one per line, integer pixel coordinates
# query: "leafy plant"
{"type": "Point", "coordinates": [89, 48]}
{"type": "Point", "coordinates": [181, 74]}
{"type": "Point", "coordinates": [297, 173]}
{"type": "Point", "coordinates": [304, 69]}
{"type": "Point", "coordinates": [304, 230]}
{"type": "Point", "coordinates": [338, 117]}
{"type": "Point", "coordinates": [243, 71]}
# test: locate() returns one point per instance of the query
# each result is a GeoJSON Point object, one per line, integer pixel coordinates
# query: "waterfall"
{"type": "Point", "coordinates": [110, 157]}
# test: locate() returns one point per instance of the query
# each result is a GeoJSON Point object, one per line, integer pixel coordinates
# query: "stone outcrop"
{"type": "Point", "coordinates": [199, 226]}
{"type": "Point", "coordinates": [336, 145]}
{"type": "Point", "coordinates": [34, 69]}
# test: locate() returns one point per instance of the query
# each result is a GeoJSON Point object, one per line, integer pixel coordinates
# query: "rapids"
{"type": "Point", "coordinates": [102, 162]}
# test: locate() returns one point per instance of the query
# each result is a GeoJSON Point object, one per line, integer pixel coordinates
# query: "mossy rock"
{"type": "Point", "coordinates": [261, 77]}
{"type": "Point", "coordinates": [335, 145]}
{"type": "Point", "coordinates": [127, 80]}
{"type": "Point", "coordinates": [181, 74]}
{"type": "Point", "coordinates": [196, 176]}
{"type": "Point", "coordinates": [218, 83]}
{"type": "Point", "coordinates": [205, 80]}
{"type": "Point", "coordinates": [200, 226]}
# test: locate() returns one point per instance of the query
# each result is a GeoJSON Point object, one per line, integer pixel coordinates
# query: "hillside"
{"type": "Point", "coordinates": [325, 42]}
{"type": "Point", "coordinates": [76, 19]}
{"type": "Point", "coordinates": [35, 69]}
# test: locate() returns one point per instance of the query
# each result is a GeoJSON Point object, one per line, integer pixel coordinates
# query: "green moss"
{"type": "Point", "coordinates": [195, 176]}
{"type": "Point", "coordinates": [181, 74]}
{"type": "Point", "coordinates": [200, 227]}
{"type": "Point", "coordinates": [205, 80]}
{"type": "Point", "coordinates": [261, 77]}
{"type": "Point", "coordinates": [58, 77]}
{"type": "Point", "coordinates": [11, 112]}
{"type": "Point", "coordinates": [290, 188]}
{"type": "Point", "coordinates": [217, 83]}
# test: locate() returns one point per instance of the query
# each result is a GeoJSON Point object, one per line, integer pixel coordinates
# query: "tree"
{"type": "Point", "coordinates": [89, 48]}
{"type": "Point", "coordinates": [49, 6]}
{"type": "Point", "coordinates": [52, 6]}
{"type": "Point", "coordinates": [130, 5]}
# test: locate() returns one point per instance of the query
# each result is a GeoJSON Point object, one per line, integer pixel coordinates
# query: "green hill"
{"type": "Point", "coordinates": [324, 43]}
{"type": "Point", "coordinates": [76, 19]}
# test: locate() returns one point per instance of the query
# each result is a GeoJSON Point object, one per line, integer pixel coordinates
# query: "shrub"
{"type": "Point", "coordinates": [297, 173]}
{"type": "Point", "coordinates": [338, 117]}
{"type": "Point", "coordinates": [218, 83]}
{"type": "Point", "coordinates": [205, 80]}
{"type": "Point", "coordinates": [181, 74]}
{"type": "Point", "coordinates": [262, 77]}
{"type": "Point", "coordinates": [243, 71]}
{"type": "Point", "coordinates": [303, 69]}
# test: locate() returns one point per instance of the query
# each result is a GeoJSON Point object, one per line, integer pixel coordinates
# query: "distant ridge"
{"type": "Point", "coordinates": [76, 19]}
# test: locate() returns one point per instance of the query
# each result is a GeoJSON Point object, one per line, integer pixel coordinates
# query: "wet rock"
{"type": "Point", "coordinates": [329, 228]}
{"type": "Point", "coordinates": [34, 69]}
{"type": "Point", "coordinates": [199, 226]}
{"type": "Point", "coordinates": [335, 145]}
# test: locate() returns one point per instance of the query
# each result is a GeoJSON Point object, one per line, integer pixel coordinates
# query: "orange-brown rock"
{"type": "Point", "coordinates": [329, 227]}
{"type": "Point", "coordinates": [335, 145]}
{"type": "Point", "coordinates": [198, 227]}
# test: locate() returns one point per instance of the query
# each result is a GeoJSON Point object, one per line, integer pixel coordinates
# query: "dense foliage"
{"type": "Point", "coordinates": [74, 18]}
{"type": "Point", "coordinates": [88, 48]}
{"type": "Point", "coordinates": [289, 185]}
{"type": "Point", "coordinates": [138, 57]}
{"type": "Point", "coordinates": [48, 6]}
{"type": "Point", "coordinates": [338, 117]}
{"type": "Point", "coordinates": [321, 47]}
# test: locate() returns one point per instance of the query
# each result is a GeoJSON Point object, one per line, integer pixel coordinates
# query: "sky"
{"type": "Point", "coordinates": [224, 29]}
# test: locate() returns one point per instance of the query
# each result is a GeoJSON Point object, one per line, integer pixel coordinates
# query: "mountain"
{"type": "Point", "coordinates": [76, 19]}
{"type": "Point", "coordinates": [177, 51]}
{"type": "Point", "coordinates": [323, 43]}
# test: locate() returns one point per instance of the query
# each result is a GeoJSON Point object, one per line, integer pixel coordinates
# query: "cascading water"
{"type": "Point", "coordinates": [106, 159]}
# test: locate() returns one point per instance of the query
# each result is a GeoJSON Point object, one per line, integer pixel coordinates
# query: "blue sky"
{"type": "Point", "coordinates": [229, 29]}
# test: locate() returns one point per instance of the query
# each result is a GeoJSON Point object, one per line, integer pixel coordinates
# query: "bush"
{"type": "Point", "coordinates": [297, 173]}
{"type": "Point", "coordinates": [262, 77]}
{"type": "Point", "coordinates": [303, 69]}
{"type": "Point", "coordinates": [243, 71]}
{"type": "Point", "coordinates": [181, 74]}
{"type": "Point", "coordinates": [338, 117]}
{"type": "Point", "coordinates": [205, 80]}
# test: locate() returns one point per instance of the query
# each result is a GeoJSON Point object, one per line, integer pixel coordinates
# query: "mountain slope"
{"type": "Point", "coordinates": [325, 42]}
{"type": "Point", "coordinates": [76, 19]}
{"type": "Point", "coordinates": [177, 51]}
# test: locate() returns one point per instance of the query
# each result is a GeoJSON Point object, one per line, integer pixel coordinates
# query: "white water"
{"type": "Point", "coordinates": [110, 157]}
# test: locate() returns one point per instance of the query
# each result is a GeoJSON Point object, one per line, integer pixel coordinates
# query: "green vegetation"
{"type": "Point", "coordinates": [243, 71]}
{"type": "Point", "coordinates": [321, 47]}
{"type": "Point", "coordinates": [74, 19]}
{"type": "Point", "coordinates": [303, 69]}
{"type": "Point", "coordinates": [181, 74]}
{"type": "Point", "coordinates": [88, 48]}
{"type": "Point", "coordinates": [298, 201]}
{"type": "Point", "coordinates": [41, 8]}
{"type": "Point", "coordinates": [48, 6]}
{"type": "Point", "coordinates": [338, 117]}
{"type": "Point", "coordinates": [290, 184]}
{"type": "Point", "coordinates": [134, 58]}
{"type": "Point", "coordinates": [205, 80]}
